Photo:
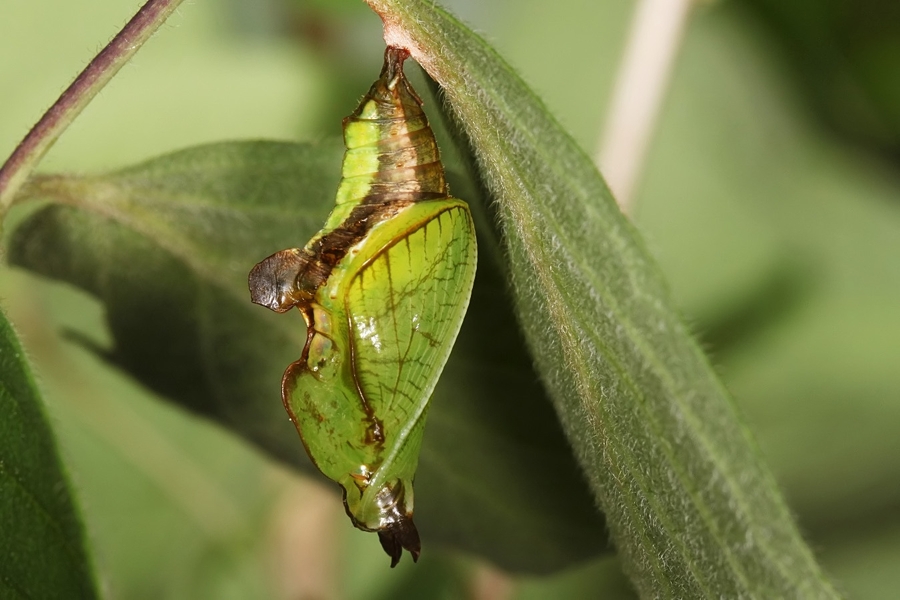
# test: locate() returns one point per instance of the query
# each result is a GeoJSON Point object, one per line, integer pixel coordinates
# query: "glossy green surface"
{"type": "Point", "coordinates": [386, 322]}
{"type": "Point", "coordinates": [383, 289]}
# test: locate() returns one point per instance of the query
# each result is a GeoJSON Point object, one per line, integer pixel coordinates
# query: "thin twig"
{"type": "Point", "coordinates": [97, 74]}
{"type": "Point", "coordinates": [653, 42]}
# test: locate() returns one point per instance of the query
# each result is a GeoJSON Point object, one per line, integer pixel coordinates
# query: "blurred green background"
{"type": "Point", "coordinates": [771, 198]}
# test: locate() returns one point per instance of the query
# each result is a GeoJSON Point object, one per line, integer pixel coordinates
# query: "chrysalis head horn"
{"type": "Point", "coordinates": [273, 281]}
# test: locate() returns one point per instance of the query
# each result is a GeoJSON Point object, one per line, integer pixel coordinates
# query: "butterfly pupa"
{"type": "Point", "coordinates": [383, 288]}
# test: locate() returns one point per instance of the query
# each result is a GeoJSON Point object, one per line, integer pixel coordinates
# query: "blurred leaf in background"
{"type": "Point", "coordinates": [784, 245]}
{"type": "Point", "coordinates": [173, 507]}
{"type": "Point", "coordinates": [844, 55]}
{"type": "Point", "coordinates": [780, 244]}
{"type": "Point", "coordinates": [38, 518]}
{"type": "Point", "coordinates": [190, 222]}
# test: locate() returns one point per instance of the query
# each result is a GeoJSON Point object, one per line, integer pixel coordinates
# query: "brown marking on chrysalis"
{"type": "Point", "coordinates": [402, 179]}
{"type": "Point", "coordinates": [409, 171]}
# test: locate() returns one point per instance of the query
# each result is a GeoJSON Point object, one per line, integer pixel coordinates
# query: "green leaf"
{"type": "Point", "coordinates": [811, 352]}
{"type": "Point", "coordinates": [42, 552]}
{"type": "Point", "coordinates": [692, 509]}
{"type": "Point", "coordinates": [817, 377]}
{"type": "Point", "coordinates": [167, 245]}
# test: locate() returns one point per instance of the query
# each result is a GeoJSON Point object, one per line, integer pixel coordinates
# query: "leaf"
{"type": "Point", "coordinates": [167, 245]}
{"type": "Point", "coordinates": [42, 552]}
{"type": "Point", "coordinates": [813, 362]}
{"type": "Point", "coordinates": [692, 509]}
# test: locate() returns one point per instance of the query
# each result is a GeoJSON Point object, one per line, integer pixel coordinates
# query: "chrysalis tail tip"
{"type": "Point", "coordinates": [400, 536]}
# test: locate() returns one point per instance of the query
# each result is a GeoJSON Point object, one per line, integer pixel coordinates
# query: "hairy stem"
{"type": "Point", "coordinates": [97, 74]}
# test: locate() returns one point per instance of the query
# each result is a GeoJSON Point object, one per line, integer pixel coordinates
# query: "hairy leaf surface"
{"type": "Point", "coordinates": [691, 507]}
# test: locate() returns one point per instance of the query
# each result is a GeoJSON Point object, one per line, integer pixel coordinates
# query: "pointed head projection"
{"type": "Point", "coordinates": [274, 282]}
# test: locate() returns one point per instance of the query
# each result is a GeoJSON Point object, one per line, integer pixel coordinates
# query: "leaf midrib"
{"type": "Point", "coordinates": [637, 341]}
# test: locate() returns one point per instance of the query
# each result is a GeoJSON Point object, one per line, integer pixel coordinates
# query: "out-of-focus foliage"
{"type": "Point", "coordinates": [39, 521]}
{"type": "Point", "coordinates": [780, 245]}
{"type": "Point", "coordinates": [783, 246]}
{"type": "Point", "coordinates": [165, 246]}
{"type": "Point", "coordinates": [690, 505]}
{"type": "Point", "coordinates": [845, 54]}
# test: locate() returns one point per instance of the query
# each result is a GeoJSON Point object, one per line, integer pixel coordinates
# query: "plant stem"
{"type": "Point", "coordinates": [653, 43]}
{"type": "Point", "coordinates": [88, 84]}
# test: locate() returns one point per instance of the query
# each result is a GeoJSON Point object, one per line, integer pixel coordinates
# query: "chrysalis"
{"type": "Point", "coordinates": [383, 288]}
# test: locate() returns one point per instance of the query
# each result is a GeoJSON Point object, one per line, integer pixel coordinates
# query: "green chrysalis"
{"type": "Point", "coordinates": [383, 288]}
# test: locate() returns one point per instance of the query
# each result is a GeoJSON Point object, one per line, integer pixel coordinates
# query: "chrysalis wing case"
{"type": "Point", "coordinates": [383, 288]}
